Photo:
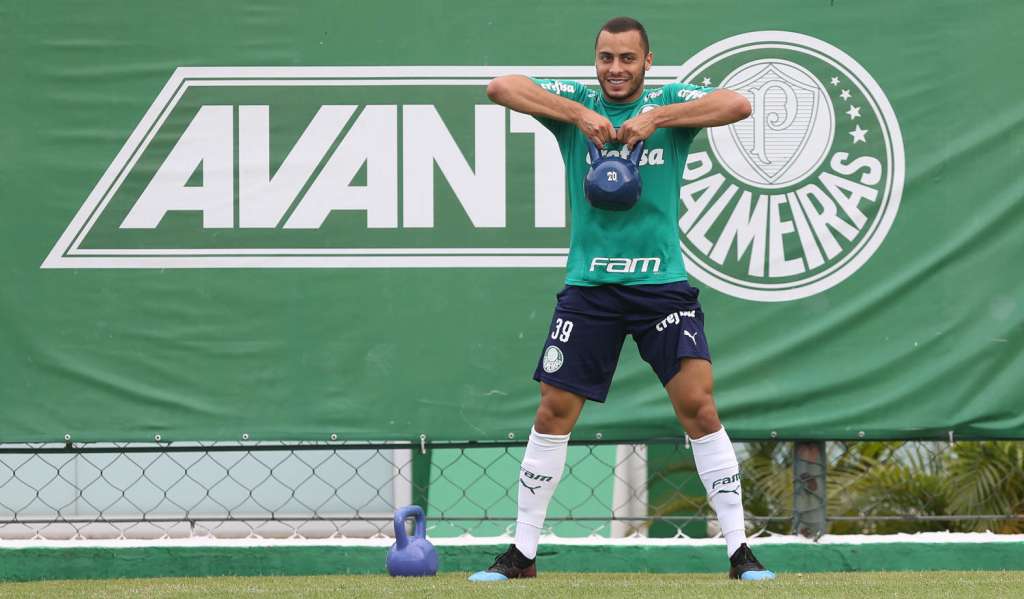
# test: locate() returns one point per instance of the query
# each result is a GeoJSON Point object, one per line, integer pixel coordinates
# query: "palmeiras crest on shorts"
{"type": "Point", "coordinates": [552, 360]}
{"type": "Point", "coordinates": [796, 198]}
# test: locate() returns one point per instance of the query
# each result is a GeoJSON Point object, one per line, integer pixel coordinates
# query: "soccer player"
{"type": "Point", "coordinates": [625, 275]}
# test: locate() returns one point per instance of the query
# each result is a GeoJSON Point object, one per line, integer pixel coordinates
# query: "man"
{"type": "Point", "coordinates": [646, 295]}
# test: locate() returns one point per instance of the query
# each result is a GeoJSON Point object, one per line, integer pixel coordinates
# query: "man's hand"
{"type": "Point", "coordinates": [636, 129]}
{"type": "Point", "coordinates": [595, 127]}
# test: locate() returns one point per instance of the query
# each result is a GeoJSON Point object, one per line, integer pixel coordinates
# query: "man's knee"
{"type": "Point", "coordinates": [698, 407]}
{"type": "Point", "coordinates": [547, 420]}
{"type": "Point", "coordinates": [557, 412]}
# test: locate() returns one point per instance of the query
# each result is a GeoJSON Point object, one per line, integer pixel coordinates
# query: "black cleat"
{"type": "Point", "coordinates": [744, 566]}
{"type": "Point", "coordinates": [510, 564]}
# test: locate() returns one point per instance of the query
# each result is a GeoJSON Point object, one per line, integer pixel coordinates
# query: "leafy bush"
{"type": "Point", "coordinates": [897, 479]}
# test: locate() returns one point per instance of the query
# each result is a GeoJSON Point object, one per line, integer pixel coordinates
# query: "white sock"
{"type": "Point", "coordinates": [541, 470]}
{"type": "Point", "coordinates": [720, 472]}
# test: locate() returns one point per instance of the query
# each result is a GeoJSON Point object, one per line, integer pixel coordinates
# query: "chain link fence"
{"type": "Point", "coordinates": [647, 488]}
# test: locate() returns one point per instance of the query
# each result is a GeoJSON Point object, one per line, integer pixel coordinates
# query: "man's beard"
{"type": "Point", "coordinates": [638, 83]}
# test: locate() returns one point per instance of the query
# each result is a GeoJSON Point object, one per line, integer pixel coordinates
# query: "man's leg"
{"type": "Point", "coordinates": [539, 474]}
{"type": "Point", "coordinates": [543, 462]}
{"type": "Point", "coordinates": [581, 349]}
{"type": "Point", "coordinates": [691, 393]}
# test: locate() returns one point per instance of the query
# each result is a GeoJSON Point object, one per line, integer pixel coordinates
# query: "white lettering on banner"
{"type": "Point", "coordinates": [426, 140]}
{"type": "Point", "coordinates": [746, 229]}
{"type": "Point", "coordinates": [778, 266]}
{"type": "Point", "coordinates": [263, 165]}
{"type": "Point", "coordinates": [208, 143]}
{"type": "Point", "coordinates": [755, 230]}
{"type": "Point", "coordinates": [263, 200]}
{"type": "Point", "coordinates": [548, 171]}
{"type": "Point", "coordinates": [370, 141]}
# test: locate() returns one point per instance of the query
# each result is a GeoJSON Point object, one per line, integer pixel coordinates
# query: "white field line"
{"type": "Point", "coordinates": [925, 537]}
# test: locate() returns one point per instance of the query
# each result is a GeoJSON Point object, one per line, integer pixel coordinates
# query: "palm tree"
{"type": "Point", "coordinates": [987, 477]}
{"type": "Point", "coordinates": [887, 479]}
{"type": "Point", "coordinates": [898, 479]}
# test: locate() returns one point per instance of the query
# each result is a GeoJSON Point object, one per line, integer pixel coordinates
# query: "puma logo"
{"type": "Point", "coordinates": [531, 489]}
{"type": "Point", "coordinates": [692, 336]}
{"type": "Point", "coordinates": [735, 478]}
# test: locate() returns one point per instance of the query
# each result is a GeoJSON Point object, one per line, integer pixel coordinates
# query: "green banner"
{"type": "Point", "coordinates": [267, 221]}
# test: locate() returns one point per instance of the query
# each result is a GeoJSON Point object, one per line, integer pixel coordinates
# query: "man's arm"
{"type": "Point", "coordinates": [720, 107]}
{"type": "Point", "coordinates": [521, 94]}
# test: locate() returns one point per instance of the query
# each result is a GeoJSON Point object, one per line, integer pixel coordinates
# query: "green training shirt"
{"type": "Point", "coordinates": [638, 246]}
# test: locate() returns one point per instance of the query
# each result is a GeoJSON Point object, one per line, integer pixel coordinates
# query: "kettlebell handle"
{"type": "Point", "coordinates": [403, 514]}
{"type": "Point", "coordinates": [634, 156]}
{"type": "Point", "coordinates": [638, 151]}
{"type": "Point", "coordinates": [595, 154]}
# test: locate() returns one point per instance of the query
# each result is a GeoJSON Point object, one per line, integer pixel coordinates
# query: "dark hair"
{"type": "Point", "coordinates": [622, 25]}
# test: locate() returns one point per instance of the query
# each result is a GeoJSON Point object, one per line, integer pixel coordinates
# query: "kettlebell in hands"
{"type": "Point", "coordinates": [613, 183]}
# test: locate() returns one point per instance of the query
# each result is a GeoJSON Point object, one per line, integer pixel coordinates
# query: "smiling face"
{"type": "Point", "coordinates": [621, 61]}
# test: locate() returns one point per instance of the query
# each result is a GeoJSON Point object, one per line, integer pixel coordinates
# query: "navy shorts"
{"type": "Point", "coordinates": [590, 323]}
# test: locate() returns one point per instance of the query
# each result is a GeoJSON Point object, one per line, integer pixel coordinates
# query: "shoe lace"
{"type": "Point", "coordinates": [505, 559]}
{"type": "Point", "coordinates": [511, 559]}
{"type": "Point", "coordinates": [748, 556]}
{"type": "Point", "coordinates": [744, 555]}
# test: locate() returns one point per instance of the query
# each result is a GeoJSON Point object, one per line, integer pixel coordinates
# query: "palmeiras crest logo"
{"type": "Point", "coordinates": [796, 198]}
{"type": "Point", "coordinates": [553, 359]}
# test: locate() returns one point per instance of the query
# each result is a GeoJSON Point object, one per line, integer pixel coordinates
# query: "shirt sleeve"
{"type": "Point", "coordinates": [677, 93]}
{"type": "Point", "coordinates": [572, 90]}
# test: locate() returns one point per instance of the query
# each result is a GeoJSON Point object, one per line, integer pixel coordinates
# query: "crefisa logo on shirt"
{"type": "Point", "coordinates": [793, 200]}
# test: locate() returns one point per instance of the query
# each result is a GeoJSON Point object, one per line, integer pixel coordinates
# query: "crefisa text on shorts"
{"type": "Point", "coordinates": [794, 199]}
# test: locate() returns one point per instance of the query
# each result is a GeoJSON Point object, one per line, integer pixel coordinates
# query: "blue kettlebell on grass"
{"type": "Point", "coordinates": [411, 556]}
{"type": "Point", "coordinates": [613, 183]}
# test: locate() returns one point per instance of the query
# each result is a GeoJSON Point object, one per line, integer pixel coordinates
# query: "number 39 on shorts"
{"type": "Point", "coordinates": [563, 328]}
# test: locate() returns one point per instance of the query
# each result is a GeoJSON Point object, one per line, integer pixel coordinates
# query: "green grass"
{"type": "Point", "coordinates": [851, 585]}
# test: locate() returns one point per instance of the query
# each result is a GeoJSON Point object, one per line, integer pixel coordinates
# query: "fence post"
{"type": "Point", "coordinates": [629, 491]}
{"type": "Point", "coordinates": [810, 501]}
{"type": "Point", "coordinates": [421, 477]}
